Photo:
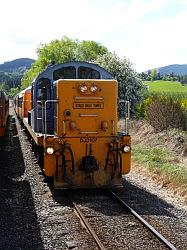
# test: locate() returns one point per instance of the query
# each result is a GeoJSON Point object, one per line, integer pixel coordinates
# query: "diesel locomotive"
{"type": "Point", "coordinates": [70, 111]}
{"type": "Point", "coordinates": [4, 109]}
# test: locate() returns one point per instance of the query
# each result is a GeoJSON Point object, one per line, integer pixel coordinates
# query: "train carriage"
{"type": "Point", "coordinates": [4, 109]}
{"type": "Point", "coordinates": [23, 103]}
{"type": "Point", "coordinates": [73, 118]}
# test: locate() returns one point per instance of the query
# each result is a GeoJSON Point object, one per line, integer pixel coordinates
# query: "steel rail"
{"type": "Point", "coordinates": [144, 222]}
{"type": "Point", "coordinates": [87, 224]}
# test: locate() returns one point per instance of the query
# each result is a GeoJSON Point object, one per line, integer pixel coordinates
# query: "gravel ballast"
{"type": "Point", "coordinates": [31, 216]}
{"type": "Point", "coordinates": [34, 216]}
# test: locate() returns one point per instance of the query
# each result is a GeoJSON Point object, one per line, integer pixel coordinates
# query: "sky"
{"type": "Point", "coordinates": [149, 33]}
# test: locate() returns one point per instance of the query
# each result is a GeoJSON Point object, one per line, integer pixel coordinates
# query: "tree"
{"type": "Point", "coordinates": [131, 87]}
{"type": "Point", "coordinates": [153, 75]}
{"type": "Point", "coordinates": [60, 51]}
{"type": "Point", "coordinates": [89, 50]}
{"type": "Point", "coordinates": [13, 91]}
{"type": "Point", "coordinates": [3, 87]}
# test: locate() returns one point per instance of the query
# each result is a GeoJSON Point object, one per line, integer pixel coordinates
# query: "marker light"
{"type": "Point", "coordinates": [83, 88]}
{"type": "Point", "coordinates": [126, 149]}
{"type": "Point", "coordinates": [93, 88]}
{"type": "Point", "coordinates": [50, 150]}
{"type": "Point", "coordinates": [104, 125]}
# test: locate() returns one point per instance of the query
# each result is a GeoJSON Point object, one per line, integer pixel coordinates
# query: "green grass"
{"type": "Point", "coordinates": [160, 160]}
{"type": "Point", "coordinates": [167, 87]}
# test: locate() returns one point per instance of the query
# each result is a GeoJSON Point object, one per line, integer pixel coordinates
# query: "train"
{"type": "Point", "coordinates": [4, 111]}
{"type": "Point", "coordinates": [70, 110]}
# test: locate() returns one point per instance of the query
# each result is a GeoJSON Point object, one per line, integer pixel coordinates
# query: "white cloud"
{"type": "Point", "coordinates": [161, 42]}
{"type": "Point", "coordinates": [137, 29]}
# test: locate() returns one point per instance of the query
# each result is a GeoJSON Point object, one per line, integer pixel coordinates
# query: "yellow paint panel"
{"type": "Point", "coordinates": [87, 111]}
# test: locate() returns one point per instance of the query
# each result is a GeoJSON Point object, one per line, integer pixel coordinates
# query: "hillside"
{"type": "Point", "coordinates": [12, 72]}
{"type": "Point", "coordinates": [16, 66]}
{"type": "Point", "coordinates": [177, 69]}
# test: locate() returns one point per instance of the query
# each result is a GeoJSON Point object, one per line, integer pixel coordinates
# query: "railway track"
{"type": "Point", "coordinates": [43, 217]}
{"type": "Point", "coordinates": [125, 206]}
{"type": "Point", "coordinates": [87, 224]}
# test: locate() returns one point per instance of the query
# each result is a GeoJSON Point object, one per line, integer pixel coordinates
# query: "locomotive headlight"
{"type": "Point", "coordinates": [126, 149]}
{"type": "Point", "coordinates": [83, 88]}
{"type": "Point", "coordinates": [93, 89]}
{"type": "Point", "coordinates": [50, 150]}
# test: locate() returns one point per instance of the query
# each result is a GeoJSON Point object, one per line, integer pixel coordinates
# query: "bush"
{"type": "Point", "coordinates": [164, 113]}
{"type": "Point", "coordinates": [141, 108]}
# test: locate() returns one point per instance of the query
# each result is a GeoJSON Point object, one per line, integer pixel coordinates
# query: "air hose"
{"type": "Point", "coordinates": [107, 157]}
{"type": "Point", "coordinates": [72, 159]}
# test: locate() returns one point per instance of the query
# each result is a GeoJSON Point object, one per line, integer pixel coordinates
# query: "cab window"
{"type": "Point", "coordinates": [88, 73]}
{"type": "Point", "coordinates": [65, 73]}
{"type": "Point", "coordinates": [44, 90]}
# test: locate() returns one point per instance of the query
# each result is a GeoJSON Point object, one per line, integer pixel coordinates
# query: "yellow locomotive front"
{"type": "Point", "coordinates": [86, 150]}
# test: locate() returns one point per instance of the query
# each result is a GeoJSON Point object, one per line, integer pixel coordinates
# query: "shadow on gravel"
{"type": "Point", "coordinates": [144, 202]}
{"type": "Point", "coordinates": [59, 196]}
{"type": "Point", "coordinates": [139, 199]}
{"type": "Point", "coordinates": [19, 228]}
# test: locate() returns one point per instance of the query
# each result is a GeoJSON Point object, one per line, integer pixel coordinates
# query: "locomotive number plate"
{"type": "Point", "coordinates": [88, 139]}
{"type": "Point", "coordinates": [88, 105]}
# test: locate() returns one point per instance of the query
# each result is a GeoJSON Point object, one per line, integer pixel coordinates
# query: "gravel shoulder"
{"type": "Point", "coordinates": [142, 178]}
{"type": "Point", "coordinates": [166, 211]}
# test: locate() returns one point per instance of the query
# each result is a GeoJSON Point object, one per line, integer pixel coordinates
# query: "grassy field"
{"type": "Point", "coordinates": [167, 87]}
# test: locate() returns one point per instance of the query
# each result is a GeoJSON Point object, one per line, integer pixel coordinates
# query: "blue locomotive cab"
{"type": "Point", "coordinates": [42, 112]}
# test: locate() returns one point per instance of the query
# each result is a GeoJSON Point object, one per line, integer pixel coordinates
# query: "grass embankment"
{"type": "Point", "coordinates": [162, 162]}
{"type": "Point", "coordinates": [164, 155]}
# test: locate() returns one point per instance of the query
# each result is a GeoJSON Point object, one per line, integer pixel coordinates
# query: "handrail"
{"type": "Point", "coordinates": [45, 110]}
{"type": "Point", "coordinates": [127, 107]}
{"type": "Point", "coordinates": [37, 118]}
{"type": "Point", "coordinates": [127, 115]}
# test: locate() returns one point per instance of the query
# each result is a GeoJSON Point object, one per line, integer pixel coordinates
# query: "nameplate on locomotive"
{"type": "Point", "coordinates": [88, 105]}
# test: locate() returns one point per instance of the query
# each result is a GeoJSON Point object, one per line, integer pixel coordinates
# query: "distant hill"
{"type": "Point", "coordinates": [12, 72]}
{"type": "Point", "coordinates": [177, 69]}
{"type": "Point", "coordinates": [16, 66]}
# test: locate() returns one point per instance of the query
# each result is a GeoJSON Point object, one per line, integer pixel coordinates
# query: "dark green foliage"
{"type": "Point", "coordinates": [142, 107]}
{"type": "Point", "coordinates": [11, 80]}
{"type": "Point", "coordinates": [130, 86]}
{"type": "Point", "coordinates": [13, 91]}
{"type": "Point", "coordinates": [141, 110]}
{"type": "Point", "coordinates": [183, 79]}
{"type": "Point", "coordinates": [89, 50]}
